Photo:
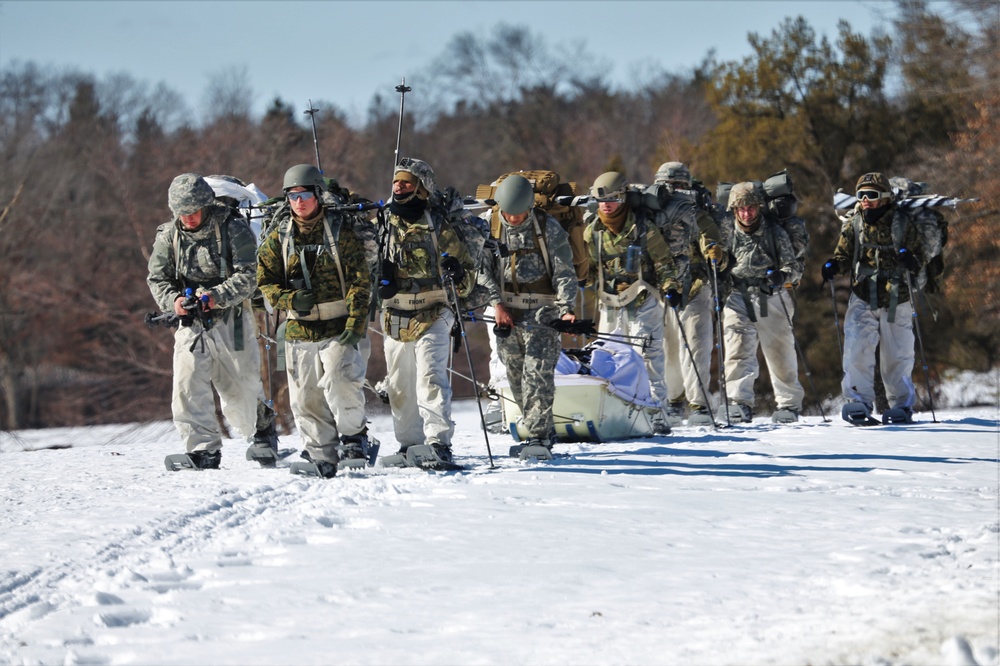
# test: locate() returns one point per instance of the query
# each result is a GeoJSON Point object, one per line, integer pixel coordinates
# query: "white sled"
{"type": "Point", "coordinates": [613, 402]}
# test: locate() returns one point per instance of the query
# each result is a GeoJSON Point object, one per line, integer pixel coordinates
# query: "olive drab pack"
{"type": "Point", "coordinates": [547, 186]}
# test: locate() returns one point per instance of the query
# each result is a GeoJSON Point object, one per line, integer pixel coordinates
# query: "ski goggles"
{"type": "Point", "coordinates": [872, 194]}
{"type": "Point", "coordinates": [300, 196]}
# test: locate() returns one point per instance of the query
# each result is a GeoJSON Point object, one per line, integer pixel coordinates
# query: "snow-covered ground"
{"type": "Point", "coordinates": [817, 543]}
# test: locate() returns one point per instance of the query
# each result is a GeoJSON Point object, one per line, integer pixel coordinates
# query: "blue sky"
{"type": "Point", "coordinates": [345, 52]}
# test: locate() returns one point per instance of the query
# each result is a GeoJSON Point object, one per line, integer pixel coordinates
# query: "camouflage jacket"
{"type": "Point", "coordinates": [708, 235]}
{"type": "Point", "coordinates": [756, 253]}
{"type": "Point", "coordinates": [279, 280]}
{"type": "Point", "coordinates": [795, 227]}
{"type": "Point", "coordinates": [871, 253]}
{"type": "Point", "coordinates": [219, 257]}
{"type": "Point", "coordinates": [656, 265]}
{"type": "Point", "coordinates": [537, 264]}
{"type": "Point", "coordinates": [411, 248]}
{"type": "Point", "coordinates": [679, 224]}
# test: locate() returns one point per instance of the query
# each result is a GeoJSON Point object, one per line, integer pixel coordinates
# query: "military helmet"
{"type": "Point", "coordinates": [515, 195]}
{"type": "Point", "coordinates": [873, 181]}
{"type": "Point", "coordinates": [189, 193]}
{"type": "Point", "coordinates": [673, 173]}
{"type": "Point", "coordinates": [745, 194]}
{"type": "Point", "coordinates": [609, 186]}
{"type": "Point", "coordinates": [304, 175]}
{"type": "Point", "coordinates": [419, 169]}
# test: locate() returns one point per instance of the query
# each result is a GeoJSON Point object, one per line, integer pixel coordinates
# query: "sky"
{"type": "Point", "coordinates": [346, 52]}
{"type": "Point", "coordinates": [814, 543]}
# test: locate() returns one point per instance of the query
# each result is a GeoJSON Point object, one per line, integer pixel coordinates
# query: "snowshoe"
{"type": "Point", "coordinates": [859, 414]}
{"type": "Point", "coordinates": [700, 416]}
{"type": "Point", "coordinates": [737, 413]}
{"type": "Point", "coordinates": [193, 460]}
{"type": "Point", "coordinates": [673, 415]}
{"type": "Point", "coordinates": [321, 469]}
{"type": "Point", "coordinates": [264, 447]}
{"type": "Point", "coordinates": [357, 451]}
{"type": "Point", "coordinates": [425, 456]}
{"type": "Point", "coordinates": [785, 416]}
{"type": "Point", "coordinates": [532, 448]}
{"type": "Point", "coordinates": [897, 415]}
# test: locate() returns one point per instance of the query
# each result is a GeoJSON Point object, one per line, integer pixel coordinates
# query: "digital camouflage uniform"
{"type": "Point", "coordinates": [755, 313]}
{"type": "Point", "coordinates": [219, 257]}
{"type": "Point", "coordinates": [326, 378]}
{"type": "Point", "coordinates": [537, 284]}
{"type": "Point", "coordinates": [418, 325]}
{"type": "Point", "coordinates": [880, 311]}
{"type": "Point", "coordinates": [632, 300]}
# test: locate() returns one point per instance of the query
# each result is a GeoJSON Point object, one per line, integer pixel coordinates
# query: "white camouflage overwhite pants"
{"type": "Point", "coordinates": [235, 375]}
{"type": "Point", "coordinates": [680, 374]}
{"type": "Point", "coordinates": [773, 334]}
{"type": "Point", "coordinates": [419, 387]}
{"type": "Point", "coordinates": [645, 321]}
{"type": "Point", "coordinates": [864, 330]}
{"type": "Point", "coordinates": [326, 393]}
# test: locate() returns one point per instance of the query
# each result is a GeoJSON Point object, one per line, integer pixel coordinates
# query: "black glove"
{"type": "Point", "coordinates": [909, 260]}
{"type": "Point", "coordinates": [830, 269]}
{"type": "Point", "coordinates": [673, 298]}
{"type": "Point", "coordinates": [452, 269]}
{"type": "Point", "coordinates": [303, 300]}
{"type": "Point", "coordinates": [578, 327]}
{"type": "Point", "coordinates": [388, 289]}
{"type": "Point", "coordinates": [775, 278]}
{"type": "Point", "coordinates": [501, 331]}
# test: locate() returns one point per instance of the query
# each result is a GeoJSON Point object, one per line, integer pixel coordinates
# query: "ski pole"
{"type": "Point", "coordinates": [836, 319]}
{"type": "Point", "coordinates": [920, 344]}
{"type": "Point", "coordinates": [701, 384]}
{"type": "Point", "coordinates": [450, 283]}
{"type": "Point", "coordinates": [719, 341]}
{"type": "Point", "coordinates": [402, 89]}
{"type": "Point", "coordinates": [802, 357]}
{"type": "Point", "coordinates": [311, 112]}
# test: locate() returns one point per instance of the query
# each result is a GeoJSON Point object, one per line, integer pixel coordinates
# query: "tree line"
{"type": "Point", "coordinates": [86, 164]}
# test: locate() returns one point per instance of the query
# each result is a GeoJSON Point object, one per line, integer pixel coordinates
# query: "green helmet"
{"type": "Point", "coordinates": [515, 195]}
{"type": "Point", "coordinates": [673, 173]}
{"type": "Point", "coordinates": [609, 186]}
{"type": "Point", "coordinates": [304, 175]}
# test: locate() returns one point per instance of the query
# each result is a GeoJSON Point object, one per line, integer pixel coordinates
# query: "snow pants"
{"type": "Point", "coordinates": [234, 374]}
{"type": "Point", "coordinates": [419, 387]}
{"type": "Point", "coordinates": [680, 374]}
{"type": "Point", "coordinates": [326, 393]}
{"type": "Point", "coordinates": [647, 321]}
{"type": "Point", "coordinates": [864, 330]}
{"type": "Point", "coordinates": [773, 334]}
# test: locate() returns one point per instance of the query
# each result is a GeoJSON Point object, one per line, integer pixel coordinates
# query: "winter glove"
{"type": "Point", "coordinates": [303, 300]}
{"type": "Point", "coordinates": [350, 338]}
{"type": "Point", "coordinates": [501, 331]}
{"type": "Point", "coordinates": [673, 298]}
{"type": "Point", "coordinates": [452, 269]}
{"type": "Point", "coordinates": [830, 269]}
{"type": "Point", "coordinates": [909, 260]}
{"type": "Point", "coordinates": [388, 289]}
{"type": "Point", "coordinates": [715, 253]}
{"type": "Point", "coordinates": [775, 278]}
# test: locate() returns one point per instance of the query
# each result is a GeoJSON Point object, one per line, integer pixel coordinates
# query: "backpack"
{"type": "Point", "coordinates": [547, 187]}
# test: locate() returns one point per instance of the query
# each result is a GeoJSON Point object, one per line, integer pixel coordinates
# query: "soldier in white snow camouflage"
{"type": "Point", "coordinates": [209, 249]}
{"type": "Point", "coordinates": [758, 311]}
{"type": "Point", "coordinates": [685, 219]}
{"type": "Point", "coordinates": [632, 270]}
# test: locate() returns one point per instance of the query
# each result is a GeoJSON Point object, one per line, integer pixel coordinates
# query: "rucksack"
{"type": "Point", "coordinates": [547, 187]}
